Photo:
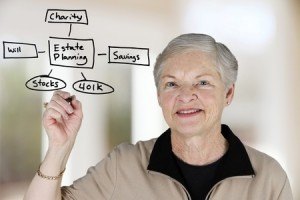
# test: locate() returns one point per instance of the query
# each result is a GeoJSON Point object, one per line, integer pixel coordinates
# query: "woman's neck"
{"type": "Point", "coordinates": [200, 149]}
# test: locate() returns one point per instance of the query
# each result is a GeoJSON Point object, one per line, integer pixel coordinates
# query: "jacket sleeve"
{"type": "Point", "coordinates": [286, 191]}
{"type": "Point", "coordinates": [98, 183]}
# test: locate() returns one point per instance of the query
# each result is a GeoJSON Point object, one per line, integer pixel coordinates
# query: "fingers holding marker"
{"type": "Point", "coordinates": [59, 106]}
{"type": "Point", "coordinates": [63, 102]}
{"type": "Point", "coordinates": [52, 115]}
{"type": "Point", "coordinates": [61, 93]}
{"type": "Point", "coordinates": [76, 106]}
{"type": "Point", "coordinates": [66, 105]}
{"type": "Point", "coordinates": [53, 105]}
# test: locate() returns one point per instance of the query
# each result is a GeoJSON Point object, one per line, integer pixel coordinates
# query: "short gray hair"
{"type": "Point", "coordinates": [226, 62]}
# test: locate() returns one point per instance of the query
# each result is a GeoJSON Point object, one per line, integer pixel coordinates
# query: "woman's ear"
{"type": "Point", "coordinates": [158, 97]}
{"type": "Point", "coordinates": [230, 94]}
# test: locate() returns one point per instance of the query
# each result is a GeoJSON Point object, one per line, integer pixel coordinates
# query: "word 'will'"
{"type": "Point", "coordinates": [14, 50]}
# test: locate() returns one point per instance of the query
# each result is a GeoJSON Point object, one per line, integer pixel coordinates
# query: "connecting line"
{"type": "Point", "coordinates": [41, 51]}
{"type": "Point", "coordinates": [70, 30]}
{"type": "Point", "coordinates": [102, 54]}
{"type": "Point", "coordinates": [50, 72]}
{"type": "Point", "coordinates": [83, 76]}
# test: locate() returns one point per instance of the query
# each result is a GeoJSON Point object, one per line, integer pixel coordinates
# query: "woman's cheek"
{"type": "Point", "coordinates": [163, 99]}
{"type": "Point", "coordinates": [207, 97]}
{"type": "Point", "coordinates": [169, 95]}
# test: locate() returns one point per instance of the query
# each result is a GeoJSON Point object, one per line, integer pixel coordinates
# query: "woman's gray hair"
{"type": "Point", "coordinates": [226, 62]}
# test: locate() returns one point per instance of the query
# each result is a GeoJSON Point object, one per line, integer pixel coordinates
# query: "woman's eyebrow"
{"type": "Point", "coordinates": [168, 76]}
{"type": "Point", "coordinates": [201, 75]}
{"type": "Point", "coordinates": [198, 76]}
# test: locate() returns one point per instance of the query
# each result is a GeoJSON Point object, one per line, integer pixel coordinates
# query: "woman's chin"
{"type": "Point", "coordinates": [188, 130]}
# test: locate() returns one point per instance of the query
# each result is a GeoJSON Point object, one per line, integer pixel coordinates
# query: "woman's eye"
{"type": "Point", "coordinates": [170, 84]}
{"type": "Point", "coordinates": [203, 83]}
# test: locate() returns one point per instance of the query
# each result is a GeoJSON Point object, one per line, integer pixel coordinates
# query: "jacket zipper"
{"type": "Point", "coordinates": [218, 183]}
{"type": "Point", "coordinates": [211, 190]}
{"type": "Point", "coordinates": [174, 180]}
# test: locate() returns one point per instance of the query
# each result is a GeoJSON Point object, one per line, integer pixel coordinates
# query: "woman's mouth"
{"type": "Point", "coordinates": [188, 112]}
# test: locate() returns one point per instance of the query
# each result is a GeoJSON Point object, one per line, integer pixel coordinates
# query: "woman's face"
{"type": "Point", "coordinates": [191, 94]}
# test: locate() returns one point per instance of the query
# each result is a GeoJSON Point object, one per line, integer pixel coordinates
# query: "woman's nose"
{"type": "Point", "coordinates": [187, 94]}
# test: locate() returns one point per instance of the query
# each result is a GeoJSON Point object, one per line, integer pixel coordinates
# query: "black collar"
{"type": "Point", "coordinates": [235, 162]}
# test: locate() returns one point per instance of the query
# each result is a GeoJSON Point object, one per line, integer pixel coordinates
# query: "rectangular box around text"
{"type": "Point", "coordinates": [129, 55]}
{"type": "Point", "coordinates": [71, 52]}
{"type": "Point", "coordinates": [19, 50]}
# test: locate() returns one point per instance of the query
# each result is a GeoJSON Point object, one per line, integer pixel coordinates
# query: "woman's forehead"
{"type": "Point", "coordinates": [191, 75]}
{"type": "Point", "coordinates": [193, 62]}
{"type": "Point", "coordinates": [192, 53]}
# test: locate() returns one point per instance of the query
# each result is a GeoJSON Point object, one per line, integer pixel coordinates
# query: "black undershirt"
{"type": "Point", "coordinates": [198, 179]}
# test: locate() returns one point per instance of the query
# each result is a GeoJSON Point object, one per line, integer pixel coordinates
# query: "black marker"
{"type": "Point", "coordinates": [69, 99]}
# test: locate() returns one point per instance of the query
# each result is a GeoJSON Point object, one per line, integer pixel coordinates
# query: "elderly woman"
{"type": "Point", "coordinates": [196, 158]}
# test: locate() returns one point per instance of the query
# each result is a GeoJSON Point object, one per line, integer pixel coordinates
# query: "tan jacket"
{"type": "Point", "coordinates": [147, 171]}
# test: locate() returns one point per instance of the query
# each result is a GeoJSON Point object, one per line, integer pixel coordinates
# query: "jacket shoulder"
{"type": "Point", "coordinates": [135, 153]}
{"type": "Point", "coordinates": [139, 147]}
{"type": "Point", "coordinates": [266, 167]}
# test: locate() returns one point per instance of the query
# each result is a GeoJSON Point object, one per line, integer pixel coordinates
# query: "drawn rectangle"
{"type": "Point", "coordinates": [66, 16]}
{"type": "Point", "coordinates": [71, 52]}
{"type": "Point", "coordinates": [19, 50]}
{"type": "Point", "coordinates": [129, 55]}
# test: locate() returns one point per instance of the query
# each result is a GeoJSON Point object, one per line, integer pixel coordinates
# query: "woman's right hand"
{"type": "Point", "coordinates": [62, 120]}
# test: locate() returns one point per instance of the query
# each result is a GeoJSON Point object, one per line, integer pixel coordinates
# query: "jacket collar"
{"type": "Point", "coordinates": [235, 162]}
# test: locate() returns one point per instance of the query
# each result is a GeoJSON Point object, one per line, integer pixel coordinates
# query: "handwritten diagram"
{"type": "Point", "coordinates": [73, 53]}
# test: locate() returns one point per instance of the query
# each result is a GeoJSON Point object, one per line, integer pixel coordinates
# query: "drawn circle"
{"type": "Point", "coordinates": [58, 83]}
{"type": "Point", "coordinates": [85, 83]}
